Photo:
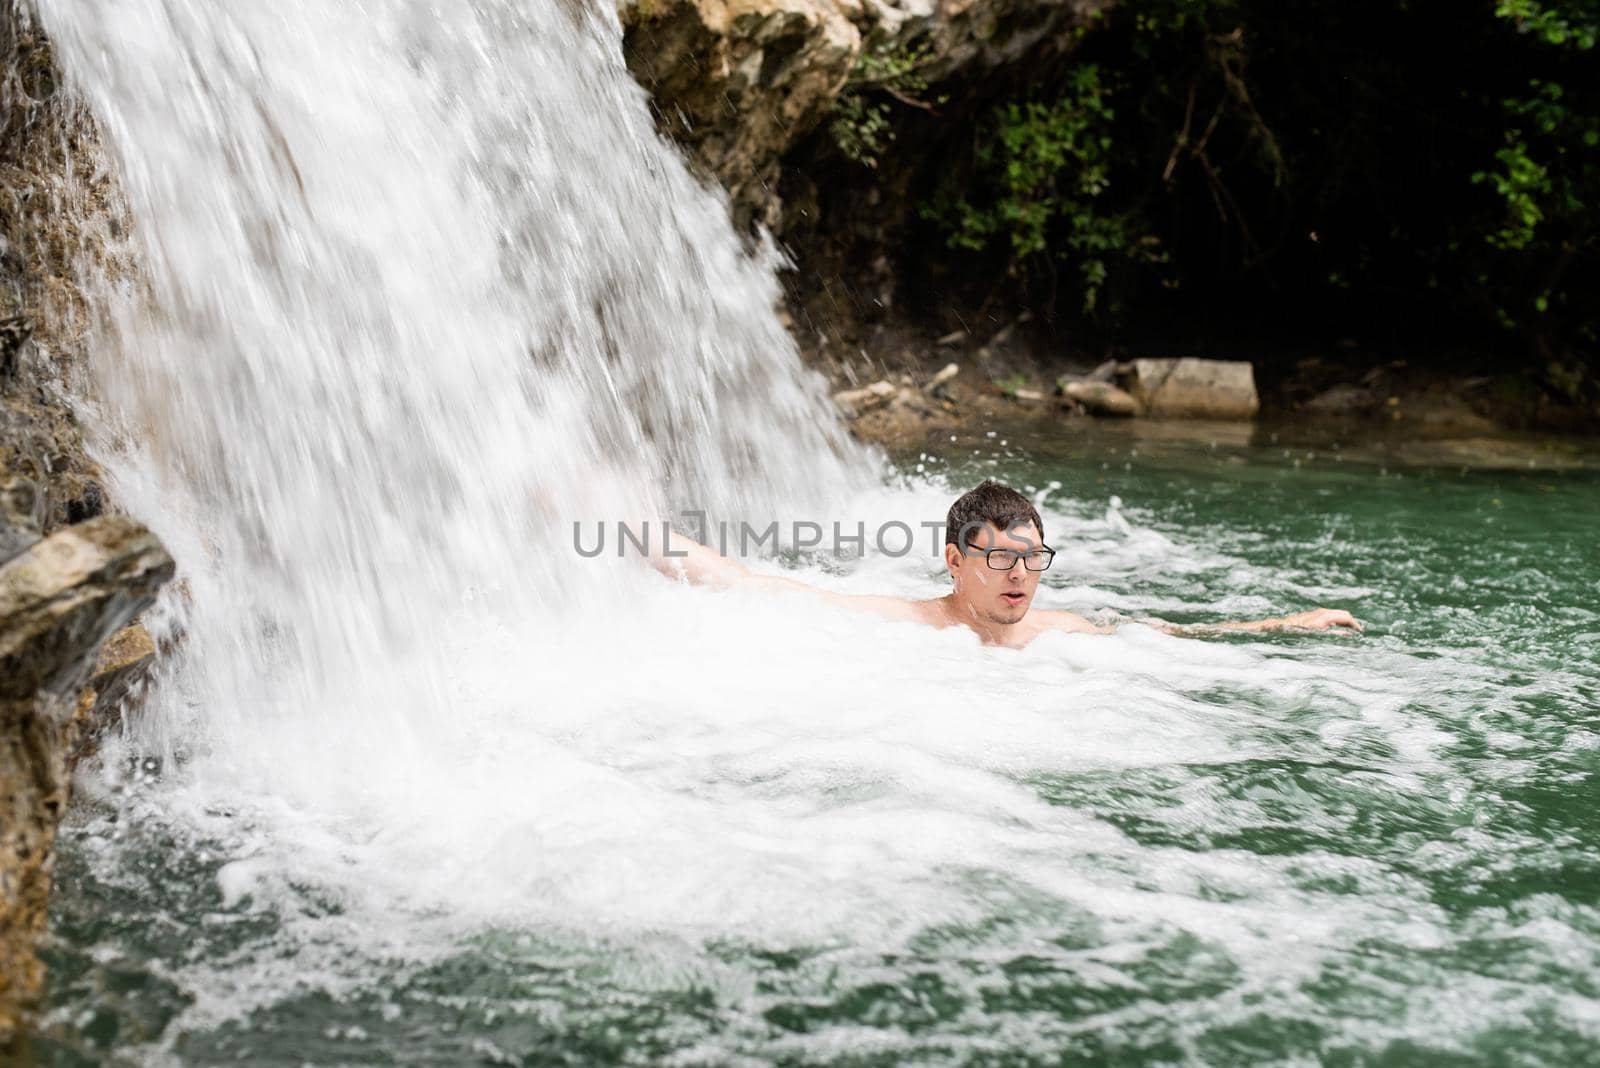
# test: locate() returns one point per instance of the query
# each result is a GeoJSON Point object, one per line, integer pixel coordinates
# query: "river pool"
{"type": "Point", "coordinates": [778, 836]}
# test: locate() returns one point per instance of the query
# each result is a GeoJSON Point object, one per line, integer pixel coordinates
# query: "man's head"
{"type": "Point", "coordinates": [988, 528]}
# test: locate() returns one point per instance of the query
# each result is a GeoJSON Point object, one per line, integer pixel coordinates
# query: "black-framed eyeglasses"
{"type": "Point", "coordinates": [1033, 559]}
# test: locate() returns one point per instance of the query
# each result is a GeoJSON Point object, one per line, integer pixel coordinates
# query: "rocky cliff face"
{"type": "Point", "coordinates": [69, 576]}
{"type": "Point", "coordinates": [736, 81]}
{"type": "Point", "coordinates": [59, 601]}
{"type": "Point", "coordinates": [740, 83]}
{"type": "Point", "coordinates": [52, 209]}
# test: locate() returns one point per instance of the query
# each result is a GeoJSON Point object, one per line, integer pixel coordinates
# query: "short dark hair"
{"type": "Point", "coordinates": [988, 502]}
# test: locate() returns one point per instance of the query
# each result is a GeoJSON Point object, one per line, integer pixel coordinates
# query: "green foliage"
{"type": "Point", "coordinates": [1214, 160]}
{"type": "Point", "coordinates": [1525, 185]}
{"type": "Point", "coordinates": [860, 123]}
{"type": "Point", "coordinates": [860, 127]}
{"type": "Point", "coordinates": [1547, 172]}
{"type": "Point", "coordinates": [1040, 173]}
{"type": "Point", "coordinates": [1152, 21]}
{"type": "Point", "coordinates": [1559, 23]}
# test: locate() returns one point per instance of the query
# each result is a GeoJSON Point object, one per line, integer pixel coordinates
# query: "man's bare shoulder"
{"type": "Point", "coordinates": [1069, 622]}
{"type": "Point", "coordinates": [931, 612]}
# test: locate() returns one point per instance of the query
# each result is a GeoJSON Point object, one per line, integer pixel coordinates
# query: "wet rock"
{"type": "Point", "coordinates": [64, 596]}
{"type": "Point", "coordinates": [1100, 398]}
{"type": "Point", "coordinates": [1440, 414]}
{"type": "Point", "coordinates": [21, 516]}
{"type": "Point", "coordinates": [909, 416]}
{"type": "Point", "coordinates": [854, 402]}
{"type": "Point", "coordinates": [46, 476]}
{"type": "Point", "coordinates": [57, 191]}
{"type": "Point", "coordinates": [900, 415]}
{"type": "Point", "coordinates": [59, 601]}
{"type": "Point", "coordinates": [14, 334]}
{"type": "Point", "coordinates": [1194, 389]}
{"type": "Point", "coordinates": [738, 81]}
{"type": "Point", "coordinates": [1343, 399]}
{"type": "Point", "coordinates": [119, 676]}
{"type": "Point", "coordinates": [63, 588]}
{"type": "Point", "coordinates": [976, 35]}
{"type": "Point", "coordinates": [937, 383]}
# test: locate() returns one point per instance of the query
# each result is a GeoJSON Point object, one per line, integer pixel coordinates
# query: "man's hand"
{"type": "Point", "coordinates": [1321, 619]}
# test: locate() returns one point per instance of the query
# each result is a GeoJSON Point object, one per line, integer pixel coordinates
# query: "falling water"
{"type": "Point", "coordinates": [417, 288]}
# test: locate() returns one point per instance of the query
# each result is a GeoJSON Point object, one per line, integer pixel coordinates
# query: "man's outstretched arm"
{"type": "Point", "coordinates": [695, 563]}
{"type": "Point", "coordinates": [1316, 619]}
{"type": "Point", "coordinates": [1336, 619]}
{"type": "Point", "coordinates": [700, 565]}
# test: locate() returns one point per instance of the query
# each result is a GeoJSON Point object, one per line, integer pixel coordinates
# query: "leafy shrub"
{"type": "Point", "coordinates": [860, 123]}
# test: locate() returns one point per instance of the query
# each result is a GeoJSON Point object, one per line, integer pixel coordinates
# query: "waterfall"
{"type": "Point", "coordinates": [416, 286]}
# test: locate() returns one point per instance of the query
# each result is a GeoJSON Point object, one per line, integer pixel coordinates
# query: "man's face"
{"type": "Point", "coordinates": [990, 595]}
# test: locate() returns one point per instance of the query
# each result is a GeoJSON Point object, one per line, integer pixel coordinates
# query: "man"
{"type": "Point", "coordinates": [995, 551]}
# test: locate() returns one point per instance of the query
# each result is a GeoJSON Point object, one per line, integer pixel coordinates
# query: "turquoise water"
{"type": "Point", "coordinates": [1292, 850]}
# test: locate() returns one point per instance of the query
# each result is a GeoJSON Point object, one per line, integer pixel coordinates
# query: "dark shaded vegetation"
{"type": "Point", "coordinates": [1422, 176]}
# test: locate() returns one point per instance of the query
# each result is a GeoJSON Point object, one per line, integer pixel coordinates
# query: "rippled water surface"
{"type": "Point", "coordinates": [691, 827]}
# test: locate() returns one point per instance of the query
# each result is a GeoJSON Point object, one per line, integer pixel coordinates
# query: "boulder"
{"type": "Point", "coordinates": [64, 596]}
{"type": "Point", "coordinates": [1194, 389]}
{"type": "Point", "coordinates": [1100, 398]}
{"type": "Point", "coordinates": [59, 601]}
{"type": "Point", "coordinates": [854, 402]}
